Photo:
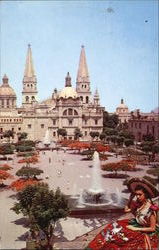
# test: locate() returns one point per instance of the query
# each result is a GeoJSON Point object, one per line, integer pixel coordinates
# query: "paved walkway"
{"type": "Point", "coordinates": [72, 175]}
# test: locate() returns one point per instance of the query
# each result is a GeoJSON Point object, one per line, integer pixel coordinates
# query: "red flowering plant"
{"type": "Point", "coordinates": [79, 145]}
{"type": "Point", "coordinates": [5, 167]}
{"type": "Point", "coordinates": [22, 183]}
{"type": "Point", "coordinates": [118, 166]}
{"type": "Point", "coordinates": [101, 148]}
{"type": "Point", "coordinates": [65, 143]}
{"type": "Point", "coordinates": [4, 176]}
{"type": "Point", "coordinates": [28, 160]}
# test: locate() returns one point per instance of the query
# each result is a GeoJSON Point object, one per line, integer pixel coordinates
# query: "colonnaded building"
{"type": "Point", "coordinates": [69, 108]}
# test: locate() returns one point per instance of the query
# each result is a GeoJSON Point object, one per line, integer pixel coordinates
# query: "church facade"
{"type": "Point", "coordinates": [69, 108]}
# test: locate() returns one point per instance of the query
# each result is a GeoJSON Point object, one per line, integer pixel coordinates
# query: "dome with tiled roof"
{"type": "Point", "coordinates": [122, 108]}
{"type": "Point", "coordinates": [68, 90]}
{"type": "Point", "coordinates": [5, 89]}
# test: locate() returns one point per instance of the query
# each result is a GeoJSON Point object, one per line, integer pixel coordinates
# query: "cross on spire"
{"type": "Point", "coordinates": [29, 68]}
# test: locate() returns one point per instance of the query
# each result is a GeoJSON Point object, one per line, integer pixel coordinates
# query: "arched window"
{"type": "Point", "coordinates": [27, 98]}
{"type": "Point", "coordinates": [27, 85]}
{"type": "Point", "coordinates": [81, 97]}
{"type": "Point", "coordinates": [75, 112]}
{"type": "Point", "coordinates": [33, 98]}
{"type": "Point", "coordinates": [87, 99]}
{"type": "Point", "coordinates": [70, 112]}
{"type": "Point", "coordinates": [65, 112]}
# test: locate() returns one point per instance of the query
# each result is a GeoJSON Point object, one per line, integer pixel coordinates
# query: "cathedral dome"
{"type": "Point", "coordinates": [68, 92]}
{"type": "Point", "coordinates": [5, 89]}
{"type": "Point", "coordinates": [122, 105]}
{"type": "Point", "coordinates": [122, 108]}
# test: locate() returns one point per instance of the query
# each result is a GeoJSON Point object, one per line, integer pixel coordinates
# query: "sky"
{"type": "Point", "coordinates": [120, 39]}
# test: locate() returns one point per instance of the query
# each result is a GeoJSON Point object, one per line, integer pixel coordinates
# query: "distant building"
{"type": "Point", "coordinates": [143, 124]}
{"type": "Point", "coordinates": [123, 112]}
{"type": "Point", "coordinates": [69, 108]}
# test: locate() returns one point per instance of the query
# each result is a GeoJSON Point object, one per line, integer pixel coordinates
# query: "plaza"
{"type": "Point", "coordinates": [67, 170]}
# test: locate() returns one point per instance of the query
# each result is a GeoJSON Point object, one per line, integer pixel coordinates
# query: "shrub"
{"type": "Point", "coordinates": [22, 148]}
{"type": "Point", "coordinates": [20, 184]}
{"type": "Point", "coordinates": [29, 172]}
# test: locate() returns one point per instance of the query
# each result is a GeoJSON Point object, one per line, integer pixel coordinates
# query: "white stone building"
{"type": "Point", "coordinates": [69, 108]}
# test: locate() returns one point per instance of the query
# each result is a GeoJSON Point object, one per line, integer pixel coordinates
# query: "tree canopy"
{"type": "Point", "coordinates": [77, 133]}
{"type": "Point", "coordinates": [110, 121]}
{"type": "Point", "coordinates": [62, 132]}
{"type": "Point", "coordinates": [29, 172]}
{"type": "Point", "coordinates": [44, 208]}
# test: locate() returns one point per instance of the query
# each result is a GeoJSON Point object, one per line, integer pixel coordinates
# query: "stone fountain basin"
{"type": "Point", "coordinates": [93, 209]}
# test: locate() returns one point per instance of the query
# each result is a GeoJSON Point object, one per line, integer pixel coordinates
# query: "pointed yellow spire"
{"type": "Point", "coordinates": [29, 69]}
{"type": "Point", "coordinates": [82, 75]}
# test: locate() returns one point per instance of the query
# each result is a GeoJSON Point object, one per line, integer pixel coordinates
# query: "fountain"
{"type": "Point", "coordinates": [46, 143]}
{"type": "Point", "coordinates": [46, 140]}
{"type": "Point", "coordinates": [74, 195]}
{"type": "Point", "coordinates": [96, 196]}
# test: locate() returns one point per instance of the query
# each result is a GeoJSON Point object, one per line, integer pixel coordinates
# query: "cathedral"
{"type": "Point", "coordinates": [69, 108]}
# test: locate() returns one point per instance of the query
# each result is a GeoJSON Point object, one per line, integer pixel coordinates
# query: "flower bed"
{"type": "Point", "coordinates": [124, 165]}
{"type": "Point", "coordinates": [33, 159]}
{"type": "Point", "coordinates": [5, 167]}
{"type": "Point", "coordinates": [22, 183]}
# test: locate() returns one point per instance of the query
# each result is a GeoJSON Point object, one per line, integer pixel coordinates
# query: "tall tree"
{"type": "Point", "coordinates": [77, 133]}
{"type": "Point", "coordinates": [22, 136]}
{"type": "Point", "coordinates": [8, 134]}
{"type": "Point", "coordinates": [94, 134]}
{"type": "Point", "coordinates": [43, 207]}
{"type": "Point", "coordinates": [29, 172]}
{"type": "Point", "coordinates": [110, 121]}
{"type": "Point", "coordinates": [62, 132]}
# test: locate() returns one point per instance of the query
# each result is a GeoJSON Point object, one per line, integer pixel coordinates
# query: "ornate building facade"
{"type": "Point", "coordinates": [141, 124]}
{"type": "Point", "coordinates": [69, 108]}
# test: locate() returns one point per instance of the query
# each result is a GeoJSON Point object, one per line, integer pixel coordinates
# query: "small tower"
{"type": "Point", "coordinates": [68, 80]}
{"type": "Point", "coordinates": [82, 81]}
{"type": "Point", "coordinates": [29, 93]}
{"type": "Point", "coordinates": [96, 98]}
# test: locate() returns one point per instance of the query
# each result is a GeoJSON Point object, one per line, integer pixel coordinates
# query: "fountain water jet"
{"type": "Point", "coordinates": [46, 140]}
{"type": "Point", "coordinates": [96, 195]}
{"type": "Point", "coordinates": [96, 186]}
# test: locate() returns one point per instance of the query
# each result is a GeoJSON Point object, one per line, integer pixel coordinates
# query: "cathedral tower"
{"type": "Point", "coordinates": [96, 98]}
{"type": "Point", "coordinates": [82, 81]}
{"type": "Point", "coordinates": [29, 93]}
